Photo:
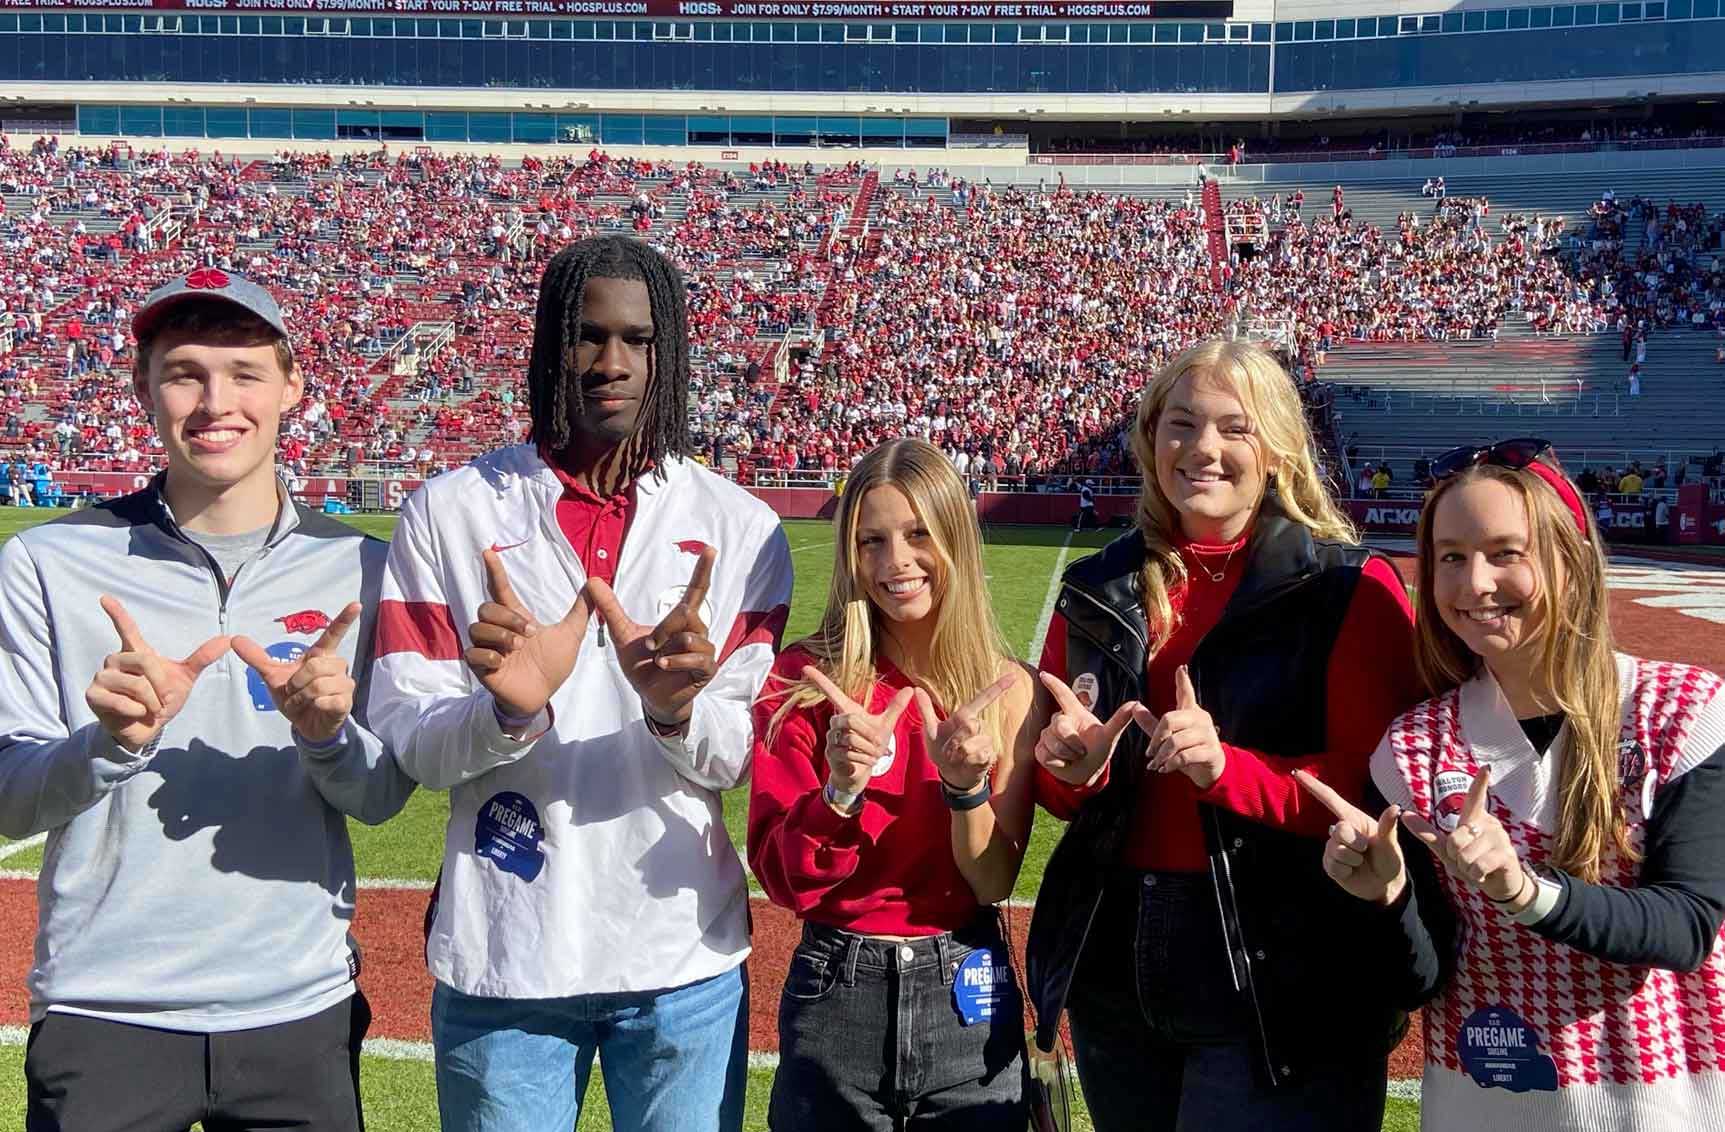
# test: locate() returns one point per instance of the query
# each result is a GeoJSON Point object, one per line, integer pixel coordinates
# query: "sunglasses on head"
{"type": "Point", "coordinates": [1520, 454]}
{"type": "Point", "coordinates": [1517, 453]}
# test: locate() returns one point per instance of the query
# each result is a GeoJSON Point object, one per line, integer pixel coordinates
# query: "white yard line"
{"type": "Point", "coordinates": [398, 1049]}
{"type": "Point", "coordinates": [1406, 1089]}
{"type": "Point", "coordinates": [13, 848]}
{"type": "Point", "coordinates": [1034, 656]}
{"type": "Point", "coordinates": [810, 546]}
{"type": "Point", "coordinates": [394, 884]}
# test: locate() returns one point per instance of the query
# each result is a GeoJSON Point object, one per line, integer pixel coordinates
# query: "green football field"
{"type": "Point", "coordinates": [1021, 563]}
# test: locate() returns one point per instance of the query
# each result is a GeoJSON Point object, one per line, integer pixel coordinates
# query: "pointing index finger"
{"type": "Point", "coordinates": [1185, 695]}
{"type": "Point", "coordinates": [988, 695]}
{"type": "Point", "coordinates": [497, 582]}
{"type": "Point", "coordinates": [1062, 694]}
{"type": "Point", "coordinates": [930, 718]}
{"type": "Point", "coordinates": [1474, 808]}
{"type": "Point", "coordinates": [332, 636]}
{"type": "Point", "coordinates": [131, 637]}
{"type": "Point", "coordinates": [701, 579]}
{"type": "Point", "coordinates": [830, 690]}
{"type": "Point", "coordinates": [604, 600]}
{"type": "Point", "coordinates": [889, 718]}
{"type": "Point", "coordinates": [1332, 801]}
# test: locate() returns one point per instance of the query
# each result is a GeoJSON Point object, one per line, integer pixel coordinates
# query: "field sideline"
{"type": "Point", "coordinates": [397, 861]}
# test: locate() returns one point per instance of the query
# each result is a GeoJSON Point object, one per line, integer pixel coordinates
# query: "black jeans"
{"type": "Point", "coordinates": [1165, 1043]}
{"type": "Point", "coordinates": [90, 1075]}
{"type": "Point", "coordinates": [869, 1037]}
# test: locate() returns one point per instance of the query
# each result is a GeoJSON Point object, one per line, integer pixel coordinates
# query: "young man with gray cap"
{"type": "Point", "coordinates": [193, 961]}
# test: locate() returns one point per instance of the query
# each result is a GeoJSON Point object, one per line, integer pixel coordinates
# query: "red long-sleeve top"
{"type": "Point", "coordinates": [1371, 681]}
{"type": "Point", "coordinates": [889, 870]}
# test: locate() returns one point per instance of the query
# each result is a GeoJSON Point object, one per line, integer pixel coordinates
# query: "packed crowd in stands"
{"type": "Point", "coordinates": [1012, 327]}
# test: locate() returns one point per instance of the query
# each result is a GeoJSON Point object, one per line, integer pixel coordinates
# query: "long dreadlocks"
{"type": "Point", "coordinates": [663, 429]}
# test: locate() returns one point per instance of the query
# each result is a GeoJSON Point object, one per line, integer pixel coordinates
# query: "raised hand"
{"type": "Point", "coordinates": [1185, 739]}
{"type": "Point", "coordinates": [1075, 745]}
{"type": "Point", "coordinates": [1362, 853]}
{"type": "Point", "coordinates": [1479, 852]}
{"type": "Point", "coordinates": [138, 690]}
{"type": "Point", "coordinates": [519, 661]}
{"type": "Point", "coordinates": [315, 692]}
{"type": "Point", "coordinates": [962, 745]}
{"type": "Point", "coordinates": [669, 663]}
{"type": "Point", "coordinates": [856, 737]}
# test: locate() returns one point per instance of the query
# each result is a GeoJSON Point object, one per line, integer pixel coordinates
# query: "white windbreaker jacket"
{"type": "Point", "coordinates": [591, 858]}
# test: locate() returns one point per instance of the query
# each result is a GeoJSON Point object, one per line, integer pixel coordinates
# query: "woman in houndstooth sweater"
{"type": "Point", "coordinates": [1572, 796]}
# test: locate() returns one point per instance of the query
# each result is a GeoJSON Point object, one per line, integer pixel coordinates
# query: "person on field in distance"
{"type": "Point", "coordinates": [1571, 794]}
{"type": "Point", "coordinates": [1237, 634]}
{"type": "Point", "coordinates": [890, 809]}
{"type": "Point", "coordinates": [572, 635]}
{"type": "Point", "coordinates": [178, 714]}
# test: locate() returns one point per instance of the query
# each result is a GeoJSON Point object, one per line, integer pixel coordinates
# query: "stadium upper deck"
{"type": "Point", "coordinates": [810, 72]}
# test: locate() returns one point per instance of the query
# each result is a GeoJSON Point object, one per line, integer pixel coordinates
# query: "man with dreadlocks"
{"type": "Point", "coordinates": [590, 901]}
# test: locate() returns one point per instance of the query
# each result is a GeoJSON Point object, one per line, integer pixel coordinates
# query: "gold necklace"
{"type": "Point", "coordinates": [1216, 575]}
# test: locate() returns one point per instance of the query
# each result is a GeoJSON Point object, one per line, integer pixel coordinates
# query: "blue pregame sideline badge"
{"type": "Point", "coordinates": [289, 651]}
{"type": "Point", "coordinates": [506, 831]}
{"type": "Point", "coordinates": [1500, 1051]}
{"type": "Point", "coordinates": [980, 986]}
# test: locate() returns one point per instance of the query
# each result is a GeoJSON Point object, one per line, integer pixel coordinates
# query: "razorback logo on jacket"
{"type": "Point", "coordinates": [306, 621]}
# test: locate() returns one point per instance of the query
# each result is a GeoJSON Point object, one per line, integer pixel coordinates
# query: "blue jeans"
{"type": "Point", "coordinates": [674, 1060]}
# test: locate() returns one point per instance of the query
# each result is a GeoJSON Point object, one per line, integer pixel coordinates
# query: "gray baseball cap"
{"type": "Point", "coordinates": [208, 283]}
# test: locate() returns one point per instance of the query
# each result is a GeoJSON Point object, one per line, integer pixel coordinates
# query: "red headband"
{"type": "Point", "coordinates": [1565, 491]}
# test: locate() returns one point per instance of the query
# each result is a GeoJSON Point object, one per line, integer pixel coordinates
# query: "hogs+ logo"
{"type": "Point", "coordinates": [306, 621]}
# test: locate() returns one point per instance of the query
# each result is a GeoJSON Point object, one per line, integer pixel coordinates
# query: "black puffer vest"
{"type": "Point", "coordinates": [1262, 674]}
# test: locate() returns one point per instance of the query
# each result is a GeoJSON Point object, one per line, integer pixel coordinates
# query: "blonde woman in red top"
{"type": "Point", "coordinates": [890, 808]}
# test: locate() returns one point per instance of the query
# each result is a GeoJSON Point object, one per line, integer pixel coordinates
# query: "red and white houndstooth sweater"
{"type": "Point", "coordinates": [1536, 1034]}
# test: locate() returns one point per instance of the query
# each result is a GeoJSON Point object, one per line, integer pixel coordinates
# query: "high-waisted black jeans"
{"type": "Point", "coordinates": [1164, 1041]}
{"type": "Point", "coordinates": [870, 1039]}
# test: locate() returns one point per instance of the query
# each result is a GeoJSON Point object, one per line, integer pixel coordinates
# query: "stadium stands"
{"type": "Point", "coordinates": [831, 308]}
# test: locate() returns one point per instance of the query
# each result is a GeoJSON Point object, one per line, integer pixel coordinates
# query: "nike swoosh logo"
{"type": "Point", "coordinates": [495, 549]}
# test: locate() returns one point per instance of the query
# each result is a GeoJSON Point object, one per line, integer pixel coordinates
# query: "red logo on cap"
{"type": "Point", "coordinates": [208, 279]}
